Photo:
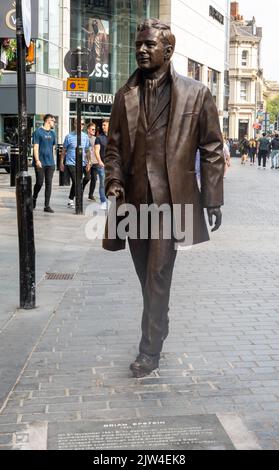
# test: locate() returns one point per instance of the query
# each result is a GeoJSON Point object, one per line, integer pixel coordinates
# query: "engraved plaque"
{"type": "Point", "coordinates": [197, 432]}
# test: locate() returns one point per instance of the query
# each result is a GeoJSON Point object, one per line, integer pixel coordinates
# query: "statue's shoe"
{"type": "Point", "coordinates": [144, 365]}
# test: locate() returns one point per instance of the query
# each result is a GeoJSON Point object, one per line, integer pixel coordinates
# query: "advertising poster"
{"type": "Point", "coordinates": [97, 41]}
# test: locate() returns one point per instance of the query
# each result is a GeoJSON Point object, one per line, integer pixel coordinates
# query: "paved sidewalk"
{"type": "Point", "coordinates": [67, 361]}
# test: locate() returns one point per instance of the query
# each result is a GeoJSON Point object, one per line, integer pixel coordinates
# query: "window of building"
{"type": "Point", "coordinates": [244, 58]}
{"type": "Point", "coordinates": [213, 83]}
{"type": "Point", "coordinates": [243, 90]}
{"type": "Point", "coordinates": [194, 70]}
{"type": "Point", "coordinates": [48, 50]}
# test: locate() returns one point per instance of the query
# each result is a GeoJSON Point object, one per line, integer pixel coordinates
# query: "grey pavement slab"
{"type": "Point", "coordinates": [68, 359]}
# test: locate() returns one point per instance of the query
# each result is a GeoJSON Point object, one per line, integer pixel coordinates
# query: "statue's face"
{"type": "Point", "coordinates": [150, 50]}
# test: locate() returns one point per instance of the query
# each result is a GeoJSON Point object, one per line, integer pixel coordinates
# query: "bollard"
{"type": "Point", "coordinates": [14, 165]}
{"type": "Point", "coordinates": [64, 177]}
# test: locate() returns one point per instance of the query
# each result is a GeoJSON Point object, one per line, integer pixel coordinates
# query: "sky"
{"type": "Point", "coordinates": [267, 15]}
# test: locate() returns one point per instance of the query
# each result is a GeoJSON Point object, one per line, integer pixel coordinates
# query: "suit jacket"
{"type": "Point", "coordinates": [193, 124]}
{"type": "Point", "coordinates": [148, 167]}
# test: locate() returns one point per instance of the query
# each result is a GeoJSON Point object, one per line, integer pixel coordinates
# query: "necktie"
{"type": "Point", "coordinates": [150, 89]}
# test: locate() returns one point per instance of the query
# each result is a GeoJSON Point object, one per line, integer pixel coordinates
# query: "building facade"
{"type": "Point", "coordinates": [50, 33]}
{"type": "Point", "coordinates": [246, 76]}
{"type": "Point", "coordinates": [202, 45]}
{"type": "Point", "coordinates": [106, 27]}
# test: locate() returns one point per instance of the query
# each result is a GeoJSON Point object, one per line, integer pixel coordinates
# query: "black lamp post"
{"type": "Point", "coordinates": [23, 180]}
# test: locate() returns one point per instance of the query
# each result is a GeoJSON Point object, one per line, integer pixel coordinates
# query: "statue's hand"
{"type": "Point", "coordinates": [115, 190]}
{"type": "Point", "coordinates": [211, 211]}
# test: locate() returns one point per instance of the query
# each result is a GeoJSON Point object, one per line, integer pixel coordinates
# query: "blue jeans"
{"type": "Point", "coordinates": [274, 157]}
{"type": "Point", "coordinates": [95, 171]}
{"type": "Point", "coordinates": [101, 174]}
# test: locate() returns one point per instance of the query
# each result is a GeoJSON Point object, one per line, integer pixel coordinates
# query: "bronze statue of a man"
{"type": "Point", "coordinates": [159, 121]}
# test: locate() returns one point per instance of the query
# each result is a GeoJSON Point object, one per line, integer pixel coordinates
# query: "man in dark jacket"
{"type": "Point", "coordinates": [159, 121]}
{"type": "Point", "coordinates": [263, 150]}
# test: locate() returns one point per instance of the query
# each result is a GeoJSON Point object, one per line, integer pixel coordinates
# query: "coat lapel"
{"type": "Point", "coordinates": [132, 104]}
{"type": "Point", "coordinates": [176, 114]}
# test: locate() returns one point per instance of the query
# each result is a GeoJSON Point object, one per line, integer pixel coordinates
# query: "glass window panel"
{"type": "Point", "coordinates": [213, 83]}
{"type": "Point", "coordinates": [41, 56]}
{"type": "Point", "coordinates": [243, 91]}
{"type": "Point", "coordinates": [191, 68]}
{"type": "Point", "coordinates": [54, 16]}
{"type": "Point", "coordinates": [244, 58]}
{"type": "Point", "coordinates": [43, 18]}
{"type": "Point", "coordinates": [194, 70]}
{"type": "Point", "coordinates": [54, 62]}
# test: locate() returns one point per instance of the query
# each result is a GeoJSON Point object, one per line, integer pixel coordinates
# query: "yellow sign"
{"type": "Point", "coordinates": [77, 84]}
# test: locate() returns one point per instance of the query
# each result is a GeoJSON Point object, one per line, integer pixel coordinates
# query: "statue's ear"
{"type": "Point", "coordinates": [168, 52]}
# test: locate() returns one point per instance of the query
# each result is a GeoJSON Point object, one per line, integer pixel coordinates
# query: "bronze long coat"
{"type": "Point", "coordinates": [193, 124]}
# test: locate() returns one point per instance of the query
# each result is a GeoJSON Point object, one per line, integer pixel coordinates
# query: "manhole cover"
{"type": "Point", "coordinates": [59, 276]}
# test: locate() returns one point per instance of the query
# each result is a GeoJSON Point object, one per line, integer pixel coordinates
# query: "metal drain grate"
{"type": "Point", "coordinates": [59, 276]}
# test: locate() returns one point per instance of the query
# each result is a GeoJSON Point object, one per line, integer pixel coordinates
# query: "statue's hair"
{"type": "Point", "coordinates": [153, 23]}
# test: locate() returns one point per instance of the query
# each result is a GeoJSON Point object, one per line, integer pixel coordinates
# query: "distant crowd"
{"type": "Point", "coordinates": [262, 149]}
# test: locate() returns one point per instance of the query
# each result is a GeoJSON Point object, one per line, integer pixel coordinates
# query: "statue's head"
{"type": "Point", "coordinates": [155, 45]}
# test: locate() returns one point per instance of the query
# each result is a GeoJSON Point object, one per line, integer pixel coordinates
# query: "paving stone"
{"type": "Point", "coordinates": [5, 439]}
{"type": "Point", "coordinates": [222, 353]}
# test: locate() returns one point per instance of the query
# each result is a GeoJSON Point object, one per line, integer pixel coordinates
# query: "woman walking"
{"type": "Point", "coordinates": [252, 150]}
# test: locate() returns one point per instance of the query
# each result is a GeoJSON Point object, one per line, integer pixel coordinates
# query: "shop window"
{"type": "Point", "coordinates": [108, 29]}
{"type": "Point", "coordinates": [194, 70]}
{"type": "Point", "coordinates": [213, 83]}
{"type": "Point", "coordinates": [8, 55]}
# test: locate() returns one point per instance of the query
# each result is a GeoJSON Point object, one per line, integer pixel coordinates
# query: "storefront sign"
{"type": "Point", "coordinates": [216, 15]}
{"type": "Point", "coordinates": [101, 98]}
{"type": "Point", "coordinates": [8, 19]}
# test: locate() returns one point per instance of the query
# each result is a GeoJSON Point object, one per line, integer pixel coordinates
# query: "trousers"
{"type": "Point", "coordinates": [154, 262]}
{"type": "Point", "coordinates": [72, 173]}
{"type": "Point", "coordinates": [262, 155]}
{"type": "Point", "coordinates": [44, 174]}
{"type": "Point", "coordinates": [95, 171]}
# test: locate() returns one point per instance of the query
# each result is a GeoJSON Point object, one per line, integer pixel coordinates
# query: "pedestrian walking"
{"type": "Point", "coordinates": [44, 141]}
{"type": "Point", "coordinates": [274, 156]}
{"type": "Point", "coordinates": [100, 150]}
{"type": "Point", "coordinates": [252, 150]}
{"type": "Point", "coordinates": [68, 155]}
{"type": "Point", "coordinates": [93, 163]}
{"type": "Point", "coordinates": [263, 149]}
{"type": "Point", "coordinates": [244, 149]}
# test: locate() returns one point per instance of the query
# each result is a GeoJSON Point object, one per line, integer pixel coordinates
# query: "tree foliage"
{"type": "Point", "coordinates": [273, 108]}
